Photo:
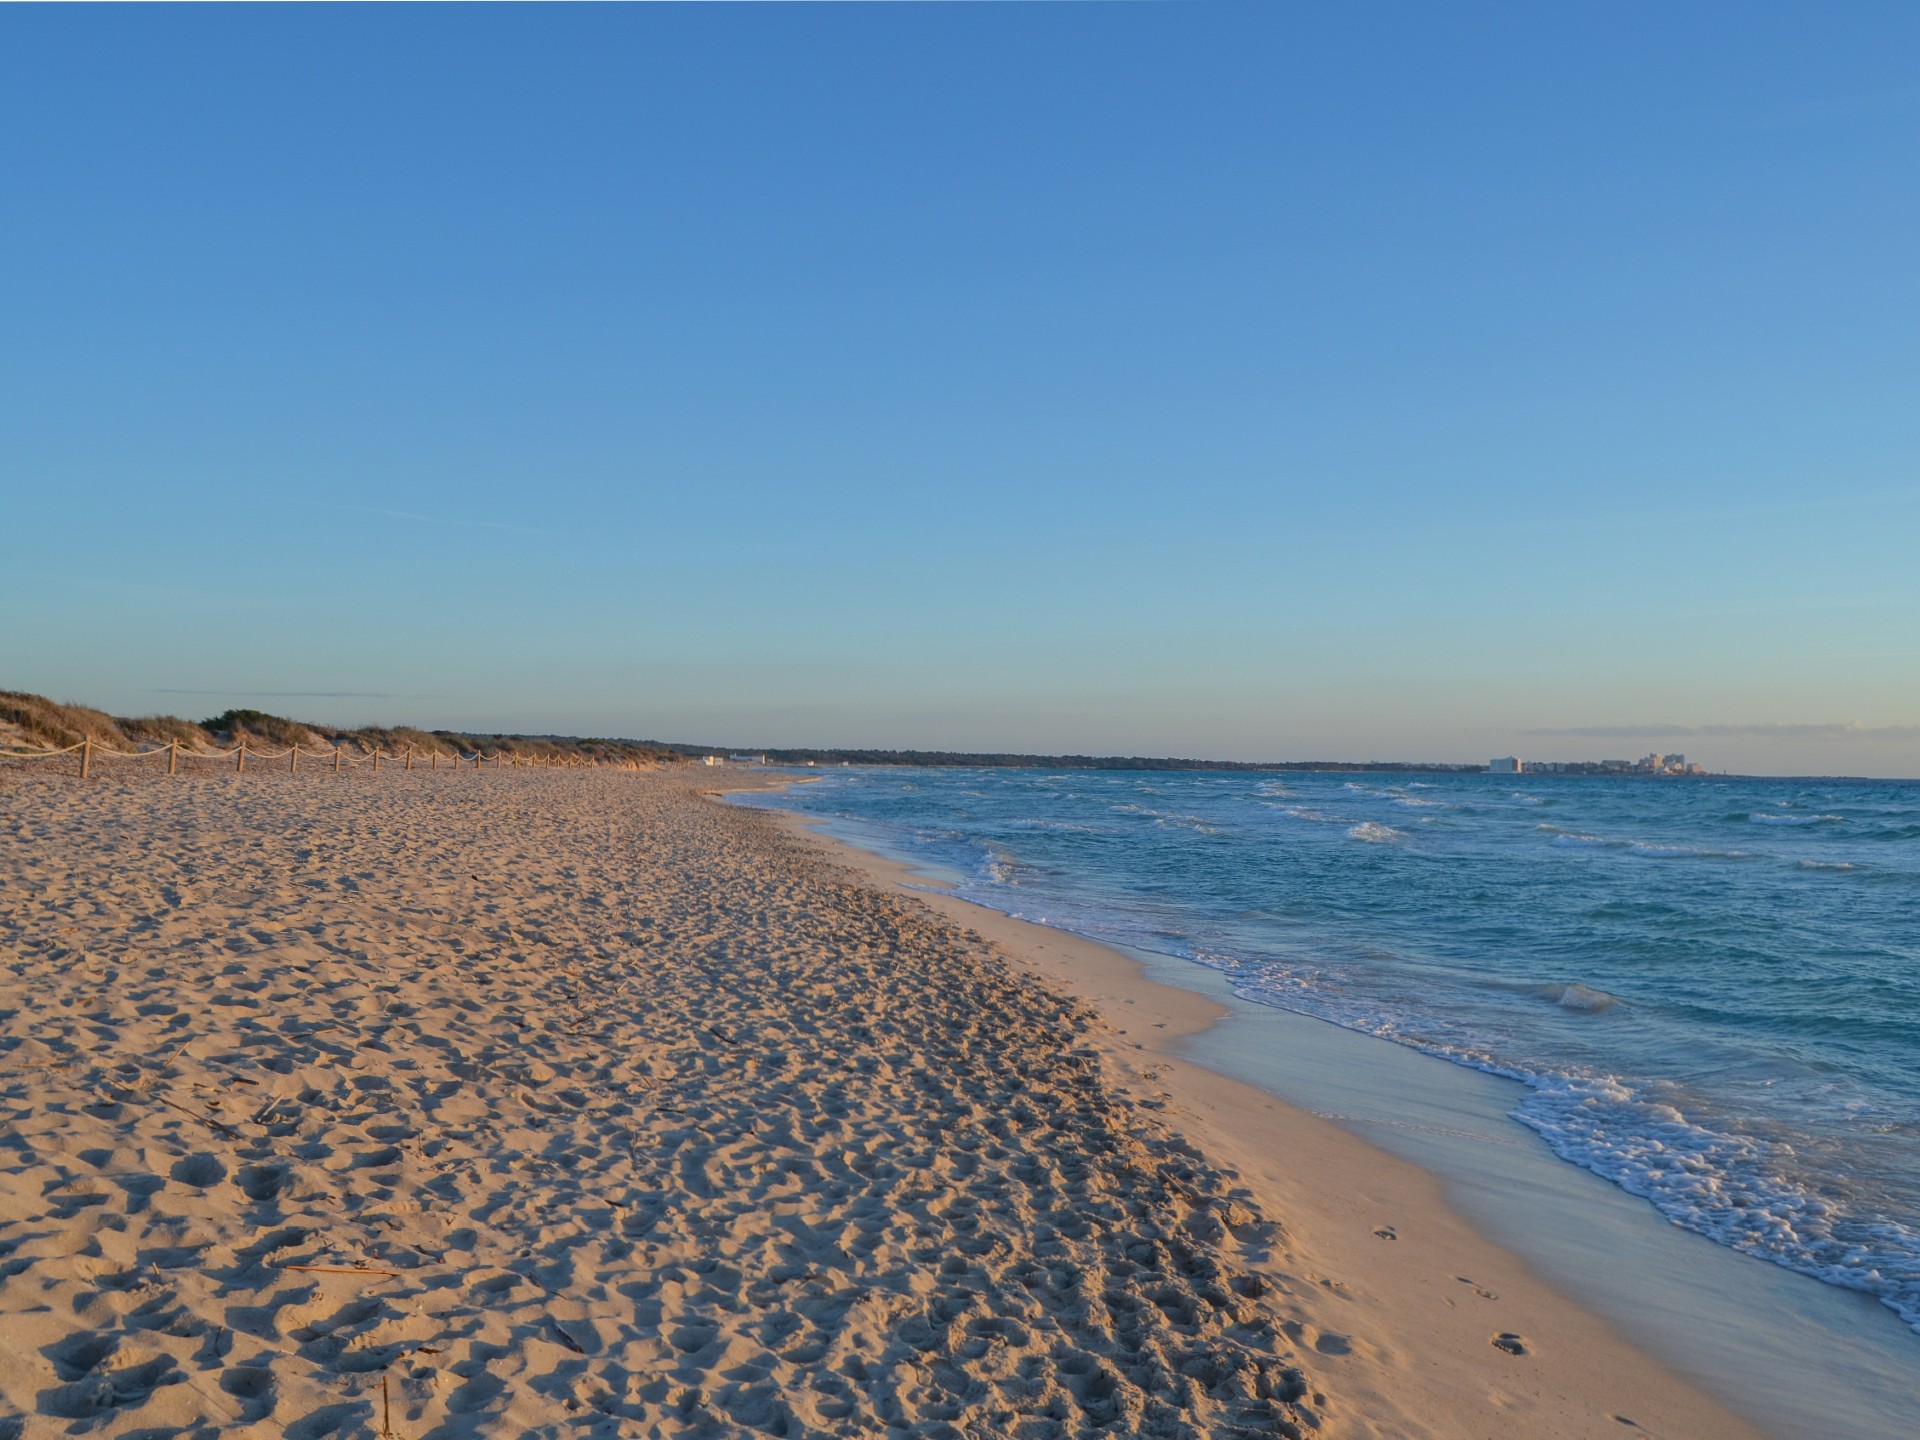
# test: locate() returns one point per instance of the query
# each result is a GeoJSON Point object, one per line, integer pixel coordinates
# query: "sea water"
{"type": "Point", "coordinates": [1709, 986]}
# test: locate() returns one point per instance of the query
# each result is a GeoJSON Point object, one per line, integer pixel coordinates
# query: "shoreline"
{"type": "Point", "coordinates": [1412, 1293]}
{"type": "Point", "coordinates": [1785, 1352]}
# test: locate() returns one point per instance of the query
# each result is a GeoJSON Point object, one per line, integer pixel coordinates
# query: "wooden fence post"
{"type": "Point", "coordinates": [433, 760]}
{"type": "Point", "coordinates": [409, 757]}
{"type": "Point", "coordinates": [336, 759]}
{"type": "Point", "coordinates": [293, 761]}
{"type": "Point", "coordinates": [240, 758]}
{"type": "Point", "coordinates": [86, 755]}
{"type": "Point", "coordinates": [173, 756]}
{"type": "Point", "coordinates": [376, 759]}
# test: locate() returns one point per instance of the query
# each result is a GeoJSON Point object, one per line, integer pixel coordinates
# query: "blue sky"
{"type": "Point", "coordinates": [1258, 381]}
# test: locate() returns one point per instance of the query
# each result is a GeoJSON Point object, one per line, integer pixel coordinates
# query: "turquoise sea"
{"type": "Point", "coordinates": [1710, 986]}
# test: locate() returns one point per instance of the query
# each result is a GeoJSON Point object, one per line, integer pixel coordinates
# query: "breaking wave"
{"type": "Point", "coordinates": [1376, 834]}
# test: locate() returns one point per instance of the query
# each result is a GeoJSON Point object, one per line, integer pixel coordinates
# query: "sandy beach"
{"type": "Point", "coordinates": [577, 1103]}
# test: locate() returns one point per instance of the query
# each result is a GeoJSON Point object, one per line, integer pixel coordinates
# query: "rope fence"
{"type": "Point", "coordinates": [335, 758]}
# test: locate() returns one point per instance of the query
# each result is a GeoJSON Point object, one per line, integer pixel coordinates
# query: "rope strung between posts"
{"type": "Point", "coordinates": [102, 752]}
{"type": "Point", "coordinates": [337, 755]}
{"type": "Point", "coordinates": [39, 754]}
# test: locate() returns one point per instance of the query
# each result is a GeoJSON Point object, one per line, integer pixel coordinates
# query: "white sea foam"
{"type": "Point", "coordinates": [1188, 822]}
{"type": "Point", "coordinates": [1375, 834]}
{"type": "Point", "coordinates": [1679, 852]}
{"type": "Point", "coordinates": [1646, 849]}
{"type": "Point", "coordinates": [1527, 799]}
{"type": "Point", "coordinates": [1795, 819]}
{"type": "Point", "coordinates": [1318, 817]}
{"type": "Point", "coordinates": [1732, 1188]}
{"type": "Point", "coordinates": [1581, 998]}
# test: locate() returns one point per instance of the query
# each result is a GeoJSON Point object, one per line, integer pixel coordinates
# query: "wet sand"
{"type": "Point", "coordinates": [542, 1103]}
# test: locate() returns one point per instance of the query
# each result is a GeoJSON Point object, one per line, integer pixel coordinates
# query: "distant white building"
{"type": "Point", "coordinates": [1664, 764]}
{"type": "Point", "coordinates": [1507, 765]}
{"type": "Point", "coordinates": [711, 760]}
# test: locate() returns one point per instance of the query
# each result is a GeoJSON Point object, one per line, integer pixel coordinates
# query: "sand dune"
{"type": "Point", "coordinates": [532, 1103]}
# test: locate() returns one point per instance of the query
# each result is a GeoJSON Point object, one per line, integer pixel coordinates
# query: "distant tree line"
{"type": "Point", "coordinates": [965, 759]}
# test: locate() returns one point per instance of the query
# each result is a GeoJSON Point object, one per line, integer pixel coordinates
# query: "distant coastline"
{"type": "Point", "coordinates": [994, 760]}
{"type": "Point", "coordinates": [28, 720]}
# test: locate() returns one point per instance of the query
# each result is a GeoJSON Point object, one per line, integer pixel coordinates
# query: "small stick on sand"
{"type": "Point", "coordinates": [226, 1130]}
{"type": "Point", "coordinates": [344, 1269]}
{"type": "Point", "coordinates": [172, 1055]}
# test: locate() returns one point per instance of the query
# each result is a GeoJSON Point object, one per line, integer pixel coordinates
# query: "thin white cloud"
{"type": "Point", "coordinates": [1818, 730]}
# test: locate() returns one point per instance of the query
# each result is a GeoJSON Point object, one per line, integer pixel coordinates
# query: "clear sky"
{"type": "Point", "coordinates": [1271, 381]}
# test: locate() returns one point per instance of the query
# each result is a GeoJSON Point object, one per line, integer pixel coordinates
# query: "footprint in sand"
{"type": "Point", "coordinates": [1511, 1343]}
{"type": "Point", "coordinates": [1386, 1232]}
{"type": "Point", "coordinates": [1482, 1293]}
